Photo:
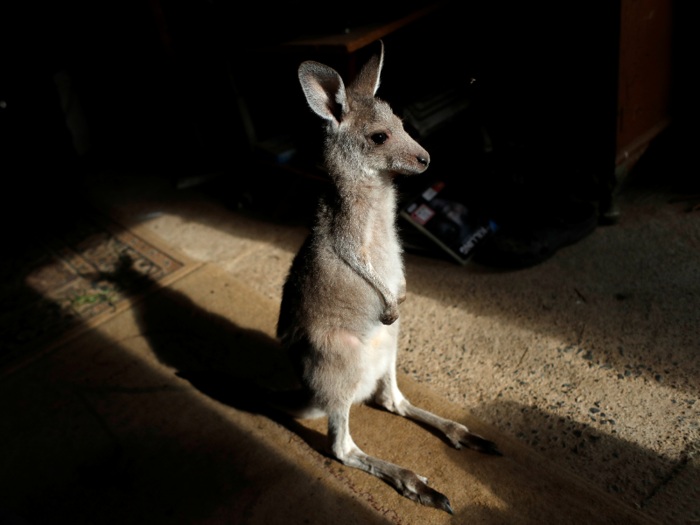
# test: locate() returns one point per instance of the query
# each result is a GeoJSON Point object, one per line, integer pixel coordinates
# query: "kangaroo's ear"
{"type": "Point", "coordinates": [367, 82]}
{"type": "Point", "coordinates": [324, 90]}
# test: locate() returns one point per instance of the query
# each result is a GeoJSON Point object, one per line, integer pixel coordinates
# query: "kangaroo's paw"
{"type": "Point", "coordinates": [460, 435]}
{"type": "Point", "coordinates": [390, 315]}
{"type": "Point", "coordinates": [415, 488]}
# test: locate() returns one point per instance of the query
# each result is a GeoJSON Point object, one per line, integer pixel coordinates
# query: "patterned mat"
{"type": "Point", "coordinates": [68, 276]}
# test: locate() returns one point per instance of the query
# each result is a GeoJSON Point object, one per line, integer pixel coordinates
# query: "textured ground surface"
{"type": "Point", "coordinates": [101, 430]}
{"type": "Point", "coordinates": [591, 358]}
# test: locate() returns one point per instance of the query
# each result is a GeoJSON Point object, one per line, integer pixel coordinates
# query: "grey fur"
{"type": "Point", "coordinates": [339, 314]}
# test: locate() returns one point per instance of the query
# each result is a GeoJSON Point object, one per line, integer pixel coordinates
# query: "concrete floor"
{"type": "Point", "coordinates": [591, 358]}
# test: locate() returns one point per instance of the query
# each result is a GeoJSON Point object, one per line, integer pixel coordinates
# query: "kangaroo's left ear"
{"type": "Point", "coordinates": [367, 82]}
{"type": "Point", "coordinates": [324, 90]}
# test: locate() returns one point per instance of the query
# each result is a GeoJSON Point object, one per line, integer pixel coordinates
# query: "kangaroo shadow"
{"type": "Point", "coordinates": [103, 437]}
{"type": "Point", "coordinates": [236, 366]}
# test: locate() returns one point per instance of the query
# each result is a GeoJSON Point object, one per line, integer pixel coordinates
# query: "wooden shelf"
{"type": "Point", "coordinates": [356, 38]}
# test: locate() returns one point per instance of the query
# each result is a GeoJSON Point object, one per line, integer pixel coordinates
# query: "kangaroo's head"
{"type": "Point", "coordinates": [363, 136]}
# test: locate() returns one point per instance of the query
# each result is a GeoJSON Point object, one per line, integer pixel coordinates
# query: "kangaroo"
{"type": "Point", "coordinates": [339, 318]}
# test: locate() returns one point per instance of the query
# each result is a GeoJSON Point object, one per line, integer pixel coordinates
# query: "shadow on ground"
{"type": "Point", "coordinates": [193, 341]}
{"type": "Point", "coordinates": [100, 435]}
{"type": "Point", "coordinates": [214, 354]}
{"type": "Point", "coordinates": [226, 362]}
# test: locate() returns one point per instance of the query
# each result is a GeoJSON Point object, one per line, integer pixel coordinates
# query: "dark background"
{"type": "Point", "coordinates": [158, 82]}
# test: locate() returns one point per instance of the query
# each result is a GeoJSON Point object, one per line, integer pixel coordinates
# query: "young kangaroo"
{"type": "Point", "coordinates": [339, 314]}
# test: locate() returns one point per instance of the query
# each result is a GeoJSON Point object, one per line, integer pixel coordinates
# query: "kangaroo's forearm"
{"type": "Point", "coordinates": [361, 265]}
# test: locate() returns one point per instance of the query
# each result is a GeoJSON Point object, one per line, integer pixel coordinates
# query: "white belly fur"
{"type": "Point", "coordinates": [378, 357]}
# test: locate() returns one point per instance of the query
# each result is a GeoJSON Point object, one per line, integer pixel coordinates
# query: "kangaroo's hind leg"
{"type": "Point", "coordinates": [390, 397]}
{"type": "Point", "coordinates": [407, 482]}
{"type": "Point", "coordinates": [345, 372]}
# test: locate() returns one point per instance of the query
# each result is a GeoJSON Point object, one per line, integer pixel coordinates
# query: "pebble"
{"type": "Point", "coordinates": [594, 410]}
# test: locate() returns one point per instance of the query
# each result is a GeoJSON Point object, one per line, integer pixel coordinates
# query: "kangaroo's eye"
{"type": "Point", "coordinates": [379, 138]}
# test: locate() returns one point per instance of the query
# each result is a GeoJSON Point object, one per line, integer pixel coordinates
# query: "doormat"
{"type": "Point", "coordinates": [59, 281]}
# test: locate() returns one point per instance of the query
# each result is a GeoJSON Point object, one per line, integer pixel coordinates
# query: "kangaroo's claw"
{"type": "Point", "coordinates": [414, 488]}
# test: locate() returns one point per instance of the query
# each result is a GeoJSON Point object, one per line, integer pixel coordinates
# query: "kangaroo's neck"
{"type": "Point", "coordinates": [352, 185]}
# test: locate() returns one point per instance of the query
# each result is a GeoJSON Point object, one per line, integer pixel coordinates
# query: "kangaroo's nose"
{"type": "Point", "coordinates": [423, 161]}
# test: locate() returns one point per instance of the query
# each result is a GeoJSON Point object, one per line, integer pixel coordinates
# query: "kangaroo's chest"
{"type": "Point", "coordinates": [381, 244]}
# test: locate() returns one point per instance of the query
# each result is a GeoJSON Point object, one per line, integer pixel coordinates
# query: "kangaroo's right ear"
{"type": "Point", "coordinates": [324, 90]}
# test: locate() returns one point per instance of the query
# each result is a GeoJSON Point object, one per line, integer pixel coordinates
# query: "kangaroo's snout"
{"type": "Point", "coordinates": [419, 160]}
